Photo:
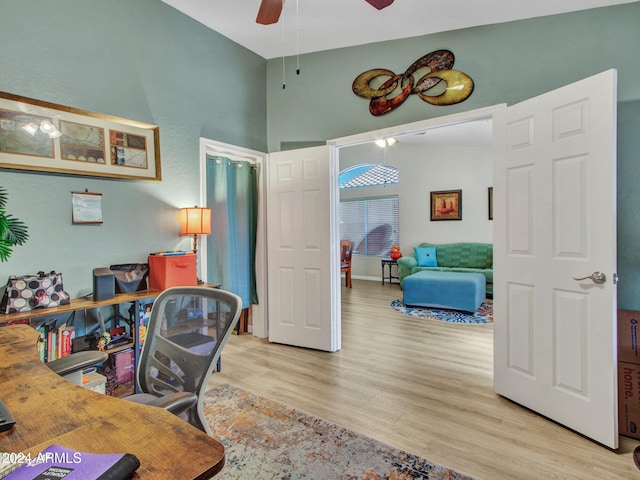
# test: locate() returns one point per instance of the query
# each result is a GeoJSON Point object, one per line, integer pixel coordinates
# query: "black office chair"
{"type": "Point", "coordinates": [187, 330]}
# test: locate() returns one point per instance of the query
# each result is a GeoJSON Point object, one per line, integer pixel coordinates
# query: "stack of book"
{"type": "Point", "coordinates": [55, 341]}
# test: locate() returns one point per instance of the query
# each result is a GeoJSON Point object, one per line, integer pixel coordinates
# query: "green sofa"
{"type": "Point", "coordinates": [454, 257]}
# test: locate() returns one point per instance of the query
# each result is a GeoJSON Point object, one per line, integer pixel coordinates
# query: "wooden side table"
{"type": "Point", "coordinates": [390, 263]}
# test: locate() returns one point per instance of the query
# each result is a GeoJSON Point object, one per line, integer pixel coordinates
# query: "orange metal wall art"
{"type": "Point", "coordinates": [438, 83]}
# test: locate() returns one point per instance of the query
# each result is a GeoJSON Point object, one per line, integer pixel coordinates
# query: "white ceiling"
{"type": "Point", "coordinates": [317, 25]}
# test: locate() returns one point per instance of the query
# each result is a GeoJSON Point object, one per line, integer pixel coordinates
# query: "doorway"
{"type": "Point", "coordinates": [258, 313]}
{"type": "Point", "coordinates": [475, 126]}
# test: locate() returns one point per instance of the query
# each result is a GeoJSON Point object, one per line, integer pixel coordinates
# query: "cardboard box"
{"type": "Point", "coordinates": [629, 399]}
{"type": "Point", "coordinates": [628, 329]}
{"type": "Point", "coordinates": [172, 271]}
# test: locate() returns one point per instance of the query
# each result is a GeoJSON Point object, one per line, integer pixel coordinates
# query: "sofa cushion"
{"type": "Point", "coordinates": [432, 269]}
{"type": "Point", "coordinates": [463, 254]}
{"type": "Point", "coordinates": [470, 270]}
{"type": "Point", "coordinates": [426, 256]}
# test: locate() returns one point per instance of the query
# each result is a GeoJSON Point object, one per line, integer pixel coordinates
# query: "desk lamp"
{"type": "Point", "coordinates": [195, 221]}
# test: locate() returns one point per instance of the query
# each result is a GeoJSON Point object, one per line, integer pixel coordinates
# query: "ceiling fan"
{"type": "Point", "coordinates": [270, 10]}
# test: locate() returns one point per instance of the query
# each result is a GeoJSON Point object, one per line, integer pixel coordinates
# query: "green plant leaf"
{"type": "Point", "coordinates": [12, 231]}
{"type": "Point", "coordinates": [5, 251]}
{"type": "Point", "coordinates": [16, 232]}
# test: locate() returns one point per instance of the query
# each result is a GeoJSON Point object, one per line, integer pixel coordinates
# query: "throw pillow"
{"type": "Point", "coordinates": [426, 256]}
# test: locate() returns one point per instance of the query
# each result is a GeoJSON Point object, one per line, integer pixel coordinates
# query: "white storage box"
{"type": "Point", "coordinates": [94, 381]}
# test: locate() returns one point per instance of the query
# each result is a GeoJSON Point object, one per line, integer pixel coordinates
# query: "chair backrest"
{"type": "Point", "coordinates": [346, 250]}
{"type": "Point", "coordinates": [187, 330]}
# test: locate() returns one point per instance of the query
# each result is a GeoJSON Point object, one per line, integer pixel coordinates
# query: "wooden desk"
{"type": "Point", "coordinates": [50, 410]}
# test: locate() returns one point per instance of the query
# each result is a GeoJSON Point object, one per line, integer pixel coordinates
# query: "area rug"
{"type": "Point", "coordinates": [264, 439]}
{"type": "Point", "coordinates": [484, 314]}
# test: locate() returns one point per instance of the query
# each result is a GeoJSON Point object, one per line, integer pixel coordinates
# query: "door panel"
{"type": "Point", "coordinates": [555, 220]}
{"type": "Point", "coordinates": [299, 250]}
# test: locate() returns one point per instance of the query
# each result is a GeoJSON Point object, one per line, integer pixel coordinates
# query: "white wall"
{"type": "Point", "coordinates": [423, 169]}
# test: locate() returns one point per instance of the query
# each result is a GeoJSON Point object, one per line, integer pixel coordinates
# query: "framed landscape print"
{"type": "Point", "coordinates": [446, 205]}
{"type": "Point", "coordinates": [45, 137]}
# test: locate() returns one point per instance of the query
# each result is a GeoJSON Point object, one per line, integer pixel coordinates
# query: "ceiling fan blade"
{"type": "Point", "coordinates": [379, 4]}
{"type": "Point", "coordinates": [269, 12]}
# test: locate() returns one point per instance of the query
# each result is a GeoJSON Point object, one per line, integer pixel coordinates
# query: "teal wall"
{"type": "Point", "coordinates": [508, 62]}
{"type": "Point", "coordinates": [629, 204]}
{"type": "Point", "coordinates": [141, 60]}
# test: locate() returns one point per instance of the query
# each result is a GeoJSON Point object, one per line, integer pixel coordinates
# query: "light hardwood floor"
{"type": "Point", "coordinates": [424, 386]}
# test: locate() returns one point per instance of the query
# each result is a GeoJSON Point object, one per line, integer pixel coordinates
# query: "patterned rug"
{"type": "Point", "coordinates": [484, 314]}
{"type": "Point", "coordinates": [264, 439]}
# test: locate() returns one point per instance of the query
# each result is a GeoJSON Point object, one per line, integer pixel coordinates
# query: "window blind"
{"type": "Point", "coordinates": [371, 224]}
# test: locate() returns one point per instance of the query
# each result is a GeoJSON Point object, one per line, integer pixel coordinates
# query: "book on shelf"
{"type": "Point", "coordinates": [43, 327]}
{"type": "Point", "coordinates": [67, 334]}
{"type": "Point", "coordinates": [55, 341]}
{"type": "Point", "coordinates": [63, 463]}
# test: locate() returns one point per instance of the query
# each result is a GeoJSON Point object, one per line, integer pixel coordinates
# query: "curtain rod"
{"type": "Point", "coordinates": [231, 156]}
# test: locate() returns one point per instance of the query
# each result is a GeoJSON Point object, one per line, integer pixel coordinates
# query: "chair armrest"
{"type": "Point", "coordinates": [175, 403]}
{"type": "Point", "coordinates": [77, 361]}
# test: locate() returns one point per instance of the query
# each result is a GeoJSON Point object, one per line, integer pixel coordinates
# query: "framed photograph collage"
{"type": "Point", "coordinates": [42, 136]}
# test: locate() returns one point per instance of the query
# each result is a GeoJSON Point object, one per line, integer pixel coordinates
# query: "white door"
{"type": "Point", "coordinates": [299, 244]}
{"type": "Point", "coordinates": [555, 220]}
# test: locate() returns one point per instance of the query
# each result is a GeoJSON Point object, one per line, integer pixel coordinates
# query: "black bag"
{"type": "Point", "coordinates": [130, 277]}
{"type": "Point", "coordinates": [29, 292]}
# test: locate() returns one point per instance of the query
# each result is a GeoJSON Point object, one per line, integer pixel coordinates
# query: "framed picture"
{"type": "Point", "coordinates": [86, 207]}
{"type": "Point", "coordinates": [446, 205]}
{"type": "Point", "coordinates": [45, 137]}
{"type": "Point", "coordinates": [490, 203]}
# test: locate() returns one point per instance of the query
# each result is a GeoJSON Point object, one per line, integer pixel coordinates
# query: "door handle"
{"type": "Point", "coordinates": [596, 277]}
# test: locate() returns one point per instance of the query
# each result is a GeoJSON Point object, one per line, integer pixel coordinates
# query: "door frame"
{"type": "Point", "coordinates": [413, 128]}
{"type": "Point", "coordinates": [485, 113]}
{"type": "Point", "coordinates": [259, 319]}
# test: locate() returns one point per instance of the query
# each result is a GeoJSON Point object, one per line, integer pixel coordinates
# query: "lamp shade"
{"type": "Point", "coordinates": [195, 221]}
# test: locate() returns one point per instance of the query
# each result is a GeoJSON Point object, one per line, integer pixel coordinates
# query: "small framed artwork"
{"type": "Point", "coordinates": [490, 203]}
{"type": "Point", "coordinates": [446, 205]}
{"type": "Point", "coordinates": [86, 208]}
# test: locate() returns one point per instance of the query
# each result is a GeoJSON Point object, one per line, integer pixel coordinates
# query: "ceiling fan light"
{"type": "Point", "coordinates": [386, 142]}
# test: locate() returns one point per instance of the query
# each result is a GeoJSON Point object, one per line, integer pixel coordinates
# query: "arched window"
{"type": "Point", "coordinates": [368, 176]}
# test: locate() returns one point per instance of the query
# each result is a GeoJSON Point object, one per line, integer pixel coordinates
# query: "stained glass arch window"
{"type": "Point", "coordinates": [367, 175]}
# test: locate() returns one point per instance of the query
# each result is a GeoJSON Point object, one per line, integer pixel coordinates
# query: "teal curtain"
{"type": "Point", "coordinates": [232, 195]}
